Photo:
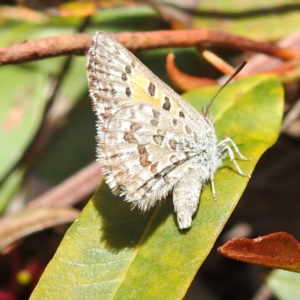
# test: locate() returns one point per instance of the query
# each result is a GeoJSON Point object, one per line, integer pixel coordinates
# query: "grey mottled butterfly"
{"type": "Point", "coordinates": [150, 141]}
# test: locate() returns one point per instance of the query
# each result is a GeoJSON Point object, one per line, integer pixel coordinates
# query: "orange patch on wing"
{"type": "Point", "coordinates": [140, 83]}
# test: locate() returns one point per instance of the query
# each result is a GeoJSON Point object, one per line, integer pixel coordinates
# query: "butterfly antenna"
{"type": "Point", "coordinates": [238, 70]}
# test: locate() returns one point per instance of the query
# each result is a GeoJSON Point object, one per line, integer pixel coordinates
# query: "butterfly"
{"type": "Point", "coordinates": [150, 141]}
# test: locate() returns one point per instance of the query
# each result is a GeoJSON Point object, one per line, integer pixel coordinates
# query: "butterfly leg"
{"type": "Point", "coordinates": [186, 195]}
{"type": "Point", "coordinates": [212, 183]}
{"type": "Point", "coordinates": [225, 143]}
{"type": "Point", "coordinates": [226, 148]}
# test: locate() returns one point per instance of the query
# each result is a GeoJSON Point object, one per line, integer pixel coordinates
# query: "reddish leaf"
{"type": "Point", "coordinates": [277, 250]}
{"type": "Point", "coordinates": [182, 81]}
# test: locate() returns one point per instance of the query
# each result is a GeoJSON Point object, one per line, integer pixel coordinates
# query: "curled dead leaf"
{"type": "Point", "coordinates": [276, 250]}
{"type": "Point", "coordinates": [182, 81]}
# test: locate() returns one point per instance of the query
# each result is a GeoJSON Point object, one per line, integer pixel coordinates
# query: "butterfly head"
{"type": "Point", "coordinates": [207, 116]}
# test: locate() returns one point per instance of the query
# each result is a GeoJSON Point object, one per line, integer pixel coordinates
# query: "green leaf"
{"type": "Point", "coordinates": [21, 111]}
{"type": "Point", "coordinates": [257, 20]}
{"type": "Point", "coordinates": [284, 284]}
{"type": "Point", "coordinates": [9, 187]}
{"type": "Point", "coordinates": [113, 252]}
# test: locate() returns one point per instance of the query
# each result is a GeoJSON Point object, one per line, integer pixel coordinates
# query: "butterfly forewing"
{"type": "Point", "coordinates": [150, 140]}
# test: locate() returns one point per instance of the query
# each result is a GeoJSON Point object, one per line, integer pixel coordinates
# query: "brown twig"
{"type": "Point", "coordinates": [52, 208]}
{"type": "Point", "coordinates": [30, 220]}
{"type": "Point", "coordinates": [73, 189]}
{"type": "Point", "coordinates": [260, 62]}
{"type": "Point", "coordinates": [79, 43]}
{"type": "Point", "coordinates": [263, 293]}
{"type": "Point", "coordinates": [292, 117]}
{"type": "Point", "coordinates": [219, 63]}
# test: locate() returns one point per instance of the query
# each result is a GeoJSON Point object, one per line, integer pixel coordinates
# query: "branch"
{"type": "Point", "coordinates": [78, 44]}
